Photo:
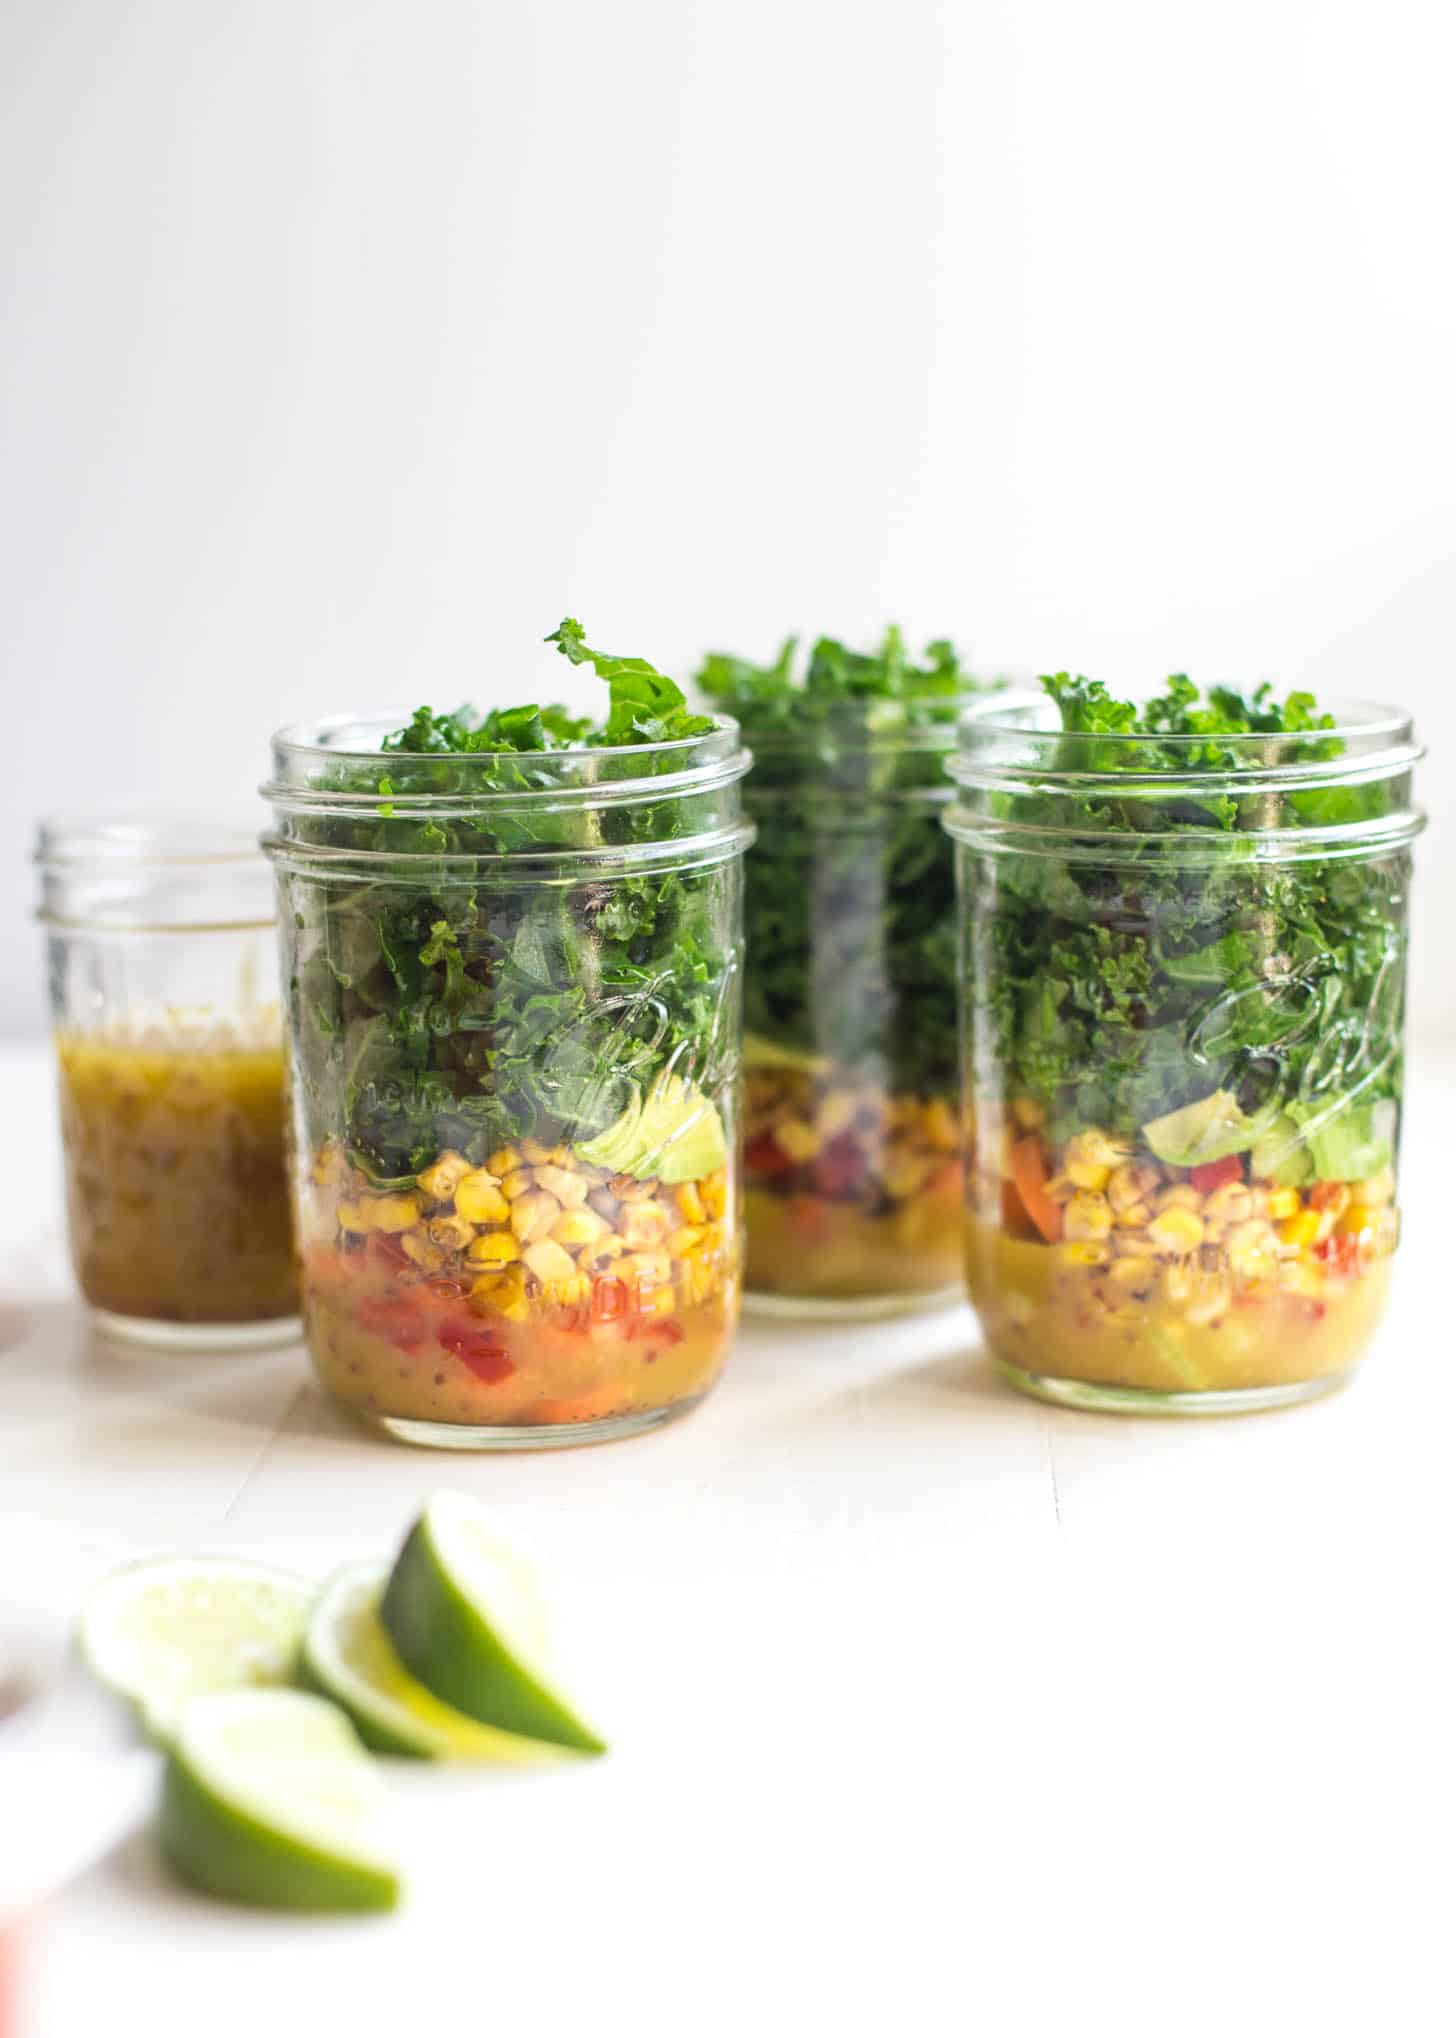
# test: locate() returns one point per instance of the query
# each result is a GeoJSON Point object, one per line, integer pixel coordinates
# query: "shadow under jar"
{"type": "Point", "coordinates": [514, 1002]}
{"type": "Point", "coordinates": [162, 959]}
{"type": "Point", "coordinates": [1183, 977]}
{"type": "Point", "coordinates": [852, 1161]}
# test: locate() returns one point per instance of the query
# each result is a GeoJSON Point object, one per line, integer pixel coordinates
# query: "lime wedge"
{"type": "Point", "coordinates": [269, 1799]}
{"type": "Point", "coordinates": [162, 1632]}
{"type": "Point", "coordinates": [348, 1656]}
{"type": "Point", "coordinates": [461, 1611]}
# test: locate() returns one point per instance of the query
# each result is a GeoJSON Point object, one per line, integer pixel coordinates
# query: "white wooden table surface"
{"type": "Point", "coordinates": [931, 1709]}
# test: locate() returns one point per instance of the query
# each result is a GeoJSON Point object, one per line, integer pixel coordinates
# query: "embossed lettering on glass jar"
{"type": "Point", "coordinates": [514, 987]}
{"type": "Point", "coordinates": [1182, 1029]}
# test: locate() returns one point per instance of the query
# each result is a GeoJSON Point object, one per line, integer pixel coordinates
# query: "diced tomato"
{"type": "Point", "coordinates": [484, 1354]}
{"type": "Point", "coordinates": [663, 1330]}
{"type": "Point", "coordinates": [384, 1246]}
{"type": "Point", "coordinates": [588, 1407]}
{"type": "Point", "coordinates": [1342, 1250]}
{"type": "Point", "coordinates": [764, 1156]}
{"type": "Point", "coordinates": [1028, 1171]}
{"type": "Point", "coordinates": [1323, 1194]}
{"type": "Point", "coordinates": [609, 1299]}
{"type": "Point", "coordinates": [1211, 1175]}
{"type": "Point", "coordinates": [446, 1288]}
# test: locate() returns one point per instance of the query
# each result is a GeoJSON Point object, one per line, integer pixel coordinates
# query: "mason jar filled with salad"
{"type": "Point", "coordinates": [1183, 963]}
{"type": "Point", "coordinates": [852, 1163]}
{"type": "Point", "coordinates": [512, 952]}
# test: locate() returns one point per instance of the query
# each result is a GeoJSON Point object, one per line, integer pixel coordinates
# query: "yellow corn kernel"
{"type": "Point", "coordinates": [1300, 1230]}
{"type": "Point", "coordinates": [549, 1261]}
{"type": "Point", "coordinates": [1229, 1204]}
{"type": "Point", "coordinates": [1251, 1250]}
{"type": "Point", "coordinates": [1283, 1203]}
{"type": "Point", "coordinates": [1181, 1196]}
{"type": "Point", "coordinates": [1176, 1230]}
{"type": "Point", "coordinates": [533, 1215]}
{"type": "Point", "coordinates": [1082, 1252]}
{"type": "Point", "coordinates": [797, 1139]}
{"type": "Point", "coordinates": [1134, 1275]}
{"type": "Point", "coordinates": [452, 1232]}
{"type": "Point", "coordinates": [533, 1151]}
{"type": "Point", "coordinates": [1131, 1183]}
{"type": "Point", "coordinates": [394, 1213]}
{"type": "Point", "coordinates": [493, 1249]}
{"type": "Point", "coordinates": [1061, 1188]}
{"type": "Point", "coordinates": [1091, 1157]}
{"type": "Point", "coordinates": [502, 1294]}
{"type": "Point", "coordinates": [645, 1270]}
{"type": "Point", "coordinates": [568, 1293]}
{"type": "Point", "coordinates": [1376, 1190]}
{"type": "Point", "coordinates": [517, 1183]}
{"type": "Point", "coordinates": [329, 1164]}
{"type": "Point", "coordinates": [604, 1203]}
{"type": "Point", "coordinates": [579, 1227]}
{"type": "Point", "coordinates": [427, 1257]}
{"type": "Point", "coordinates": [504, 1160]}
{"type": "Point", "coordinates": [478, 1198]}
{"type": "Point", "coordinates": [354, 1216]}
{"type": "Point", "coordinates": [1088, 1175]}
{"type": "Point", "coordinates": [938, 1127]}
{"type": "Point", "coordinates": [444, 1175]}
{"type": "Point", "coordinates": [568, 1188]}
{"type": "Point", "coordinates": [835, 1113]}
{"type": "Point", "coordinates": [1302, 1277]}
{"type": "Point", "coordinates": [690, 1206]}
{"type": "Point", "coordinates": [714, 1191]}
{"type": "Point", "coordinates": [1087, 1216]}
{"type": "Point", "coordinates": [1133, 1216]}
{"type": "Point", "coordinates": [1354, 1220]}
{"type": "Point", "coordinates": [599, 1255]}
{"type": "Point", "coordinates": [1028, 1113]}
{"type": "Point", "coordinates": [684, 1239]}
{"type": "Point", "coordinates": [645, 1224]}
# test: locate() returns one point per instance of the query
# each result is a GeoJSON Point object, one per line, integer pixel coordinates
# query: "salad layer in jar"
{"type": "Point", "coordinates": [852, 1165]}
{"type": "Point", "coordinates": [1185, 945]}
{"type": "Point", "coordinates": [513, 953]}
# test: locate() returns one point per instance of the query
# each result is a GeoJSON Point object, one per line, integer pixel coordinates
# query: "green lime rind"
{"type": "Point", "coordinates": [437, 1607]}
{"type": "Point", "coordinates": [162, 1632]}
{"type": "Point", "coordinates": [276, 1815]}
{"type": "Point", "coordinates": [348, 1656]}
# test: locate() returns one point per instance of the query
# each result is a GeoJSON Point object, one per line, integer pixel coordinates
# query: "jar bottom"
{"type": "Point", "coordinates": [850, 1308]}
{"type": "Point", "coordinates": [1098, 1400]}
{"type": "Point", "coordinates": [521, 1436]}
{"type": "Point", "coordinates": [166, 1335]}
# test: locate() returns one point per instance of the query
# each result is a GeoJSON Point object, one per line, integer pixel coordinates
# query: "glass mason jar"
{"type": "Point", "coordinates": [1183, 1014]}
{"type": "Point", "coordinates": [852, 1165]}
{"type": "Point", "coordinates": [162, 959]}
{"type": "Point", "coordinates": [514, 1004]}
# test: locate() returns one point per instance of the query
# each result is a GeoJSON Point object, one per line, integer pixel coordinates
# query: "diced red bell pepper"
{"type": "Point", "coordinates": [1211, 1175]}
{"type": "Point", "coordinates": [663, 1330]}
{"type": "Point", "coordinates": [1322, 1194]}
{"type": "Point", "coordinates": [393, 1319]}
{"type": "Point", "coordinates": [486, 1357]}
{"type": "Point", "coordinates": [610, 1299]}
{"type": "Point", "coordinates": [764, 1156]}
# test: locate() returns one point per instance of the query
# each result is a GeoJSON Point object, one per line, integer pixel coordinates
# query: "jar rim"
{"type": "Point", "coordinates": [144, 838]}
{"type": "Point", "coordinates": [311, 739]}
{"type": "Point", "coordinates": [1030, 713]}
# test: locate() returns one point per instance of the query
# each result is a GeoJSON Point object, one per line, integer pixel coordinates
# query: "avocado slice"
{"type": "Point", "coordinates": [1204, 1131]}
{"type": "Point", "coordinates": [1281, 1156]}
{"type": "Point", "coordinates": [674, 1133]}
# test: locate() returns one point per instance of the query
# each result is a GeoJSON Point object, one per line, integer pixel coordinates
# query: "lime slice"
{"type": "Point", "coordinates": [460, 1609]}
{"type": "Point", "coordinates": [268, 1798]}
{"type": "Point", "coordinates": [162, 1632]}
{"type": "Point", "coordinates": [348, 1656]}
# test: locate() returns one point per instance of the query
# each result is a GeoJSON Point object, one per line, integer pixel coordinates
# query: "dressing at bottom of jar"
{"type": "Point", "coordinates": [531, 1291]}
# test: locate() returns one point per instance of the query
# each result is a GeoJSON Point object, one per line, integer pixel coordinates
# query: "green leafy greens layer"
{"type": "Point", "coordinates": [850, 900]}
{"type": "Point", "coordinates": [1114, 991]}
{"type": "Point", "coordinates": [467, 1004]}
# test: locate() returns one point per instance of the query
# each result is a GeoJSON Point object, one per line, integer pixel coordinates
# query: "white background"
{"type": "Point", "coordinates": [348, 343]}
